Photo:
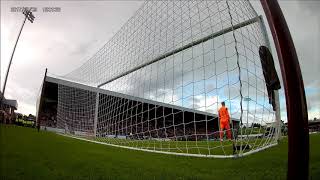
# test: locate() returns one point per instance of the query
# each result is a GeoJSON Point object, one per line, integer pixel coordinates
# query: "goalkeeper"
{"type": "Point", "coordinates": [224, 121]}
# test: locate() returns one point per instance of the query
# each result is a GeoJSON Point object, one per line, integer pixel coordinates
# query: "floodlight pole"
{"type": "Point", "coordinates": [297, 114]}
{"type": "Point", "coordinates": [27, 15]}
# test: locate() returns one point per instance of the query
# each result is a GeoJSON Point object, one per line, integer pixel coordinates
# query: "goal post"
{"type": "Point", "coordinates": [159, 83]}
{"type": "Point", "coordinates": [298, 132]}
{"type": "Point", "coordinates": [278, 113]}
{"type": "Point", "coordinates": [96, 111]}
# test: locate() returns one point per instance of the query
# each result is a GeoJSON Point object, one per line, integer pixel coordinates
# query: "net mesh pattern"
{"type": "Point", "coordinates": [161, 80]}
{"type": "Point", "coordinates": [75, 110]}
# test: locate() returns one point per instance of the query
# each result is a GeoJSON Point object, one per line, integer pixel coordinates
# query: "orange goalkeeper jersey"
{"type": "Point", "coordinates": [224, 115]}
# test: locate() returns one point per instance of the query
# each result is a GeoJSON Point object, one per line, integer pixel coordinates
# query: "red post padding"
{"type": "Point", "coordinates": [298, 132]}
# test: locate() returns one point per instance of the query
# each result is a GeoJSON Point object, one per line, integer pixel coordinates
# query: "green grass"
{"type": "Point", "coordinates": [27, 154]}
{"type": "Point", "coordinates": [212, 147]}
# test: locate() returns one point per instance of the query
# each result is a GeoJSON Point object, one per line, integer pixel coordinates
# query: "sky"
{"type": "Point", "coordinates": [62, 41]}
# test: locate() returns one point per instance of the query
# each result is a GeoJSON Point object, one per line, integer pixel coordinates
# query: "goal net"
{"type": "Point", "coordinates": [160, 81]}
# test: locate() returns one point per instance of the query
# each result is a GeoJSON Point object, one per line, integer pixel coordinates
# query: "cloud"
{"type": "Point", "coordinates": [19, 92]}
{"type": "Point", "coordinates": [304, 28]}
{"type": "Point", "coordinates": [63, 41]}
{"type": "Point", "coordinates": [57, 41]}
{"type": "Point", "coordinates": [203, 103]}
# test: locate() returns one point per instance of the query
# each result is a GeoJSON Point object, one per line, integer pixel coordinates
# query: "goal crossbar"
{"type": "Point", "coordinates": [193, 43]}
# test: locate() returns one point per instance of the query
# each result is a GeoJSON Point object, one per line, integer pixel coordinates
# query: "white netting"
{"type": "Point", "coordinates": [162, 78]}
{"type": "Point", "coordinates": [76, 110]}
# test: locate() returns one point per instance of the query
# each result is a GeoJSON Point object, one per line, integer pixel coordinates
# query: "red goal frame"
{"type": "Point", "coordinates": [297, 114]}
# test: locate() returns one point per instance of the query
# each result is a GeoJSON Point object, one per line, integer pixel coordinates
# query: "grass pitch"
{"type": "Point", "coordinates": [224, 148]}
{"type": "Point", "coordinates": [27, 154]}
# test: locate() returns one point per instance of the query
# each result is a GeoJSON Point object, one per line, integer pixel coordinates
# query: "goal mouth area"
{"type": "Point", "coordinates": [179, 77]}
{"type": "Point", "coordinates": [197, 145]}
{"type": "Point", "coordinates": [177, 153]}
